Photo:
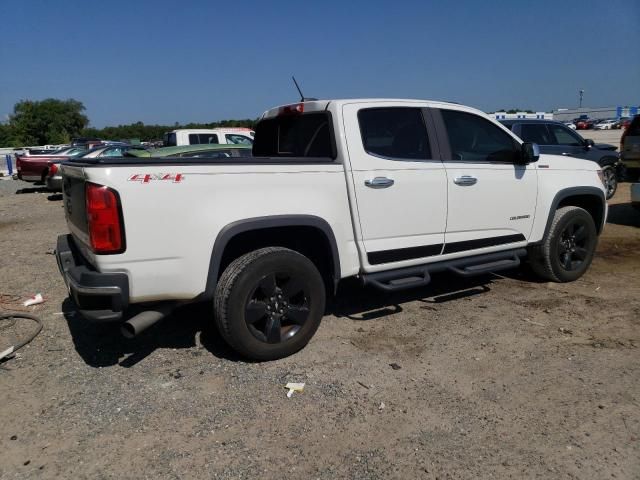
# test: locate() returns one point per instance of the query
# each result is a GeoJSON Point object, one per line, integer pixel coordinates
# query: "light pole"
{"type": "Point", "coordinates": [581, 95]}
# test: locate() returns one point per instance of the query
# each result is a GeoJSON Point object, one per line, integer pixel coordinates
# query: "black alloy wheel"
{"type": "Point", "coordinates": [278, 307]}
{"type": "Point", "coordinates": [567, 249]}
{"type": "Point", "coordinates": [269, 303]}
{"type": "Point", "coordinates": [573, 245]}
{"type": "Point", "coordinates": [610, 182]}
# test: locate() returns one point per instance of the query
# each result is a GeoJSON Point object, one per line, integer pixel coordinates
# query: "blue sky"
{"type": "Point", "coordinates": [161, 61]}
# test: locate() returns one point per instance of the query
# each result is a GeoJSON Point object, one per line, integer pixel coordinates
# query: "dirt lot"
{"type": "Point", "coordinates": [500, 377]}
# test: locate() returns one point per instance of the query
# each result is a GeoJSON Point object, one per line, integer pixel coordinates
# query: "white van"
{"type": "Point", "coordinates": [199, 136]}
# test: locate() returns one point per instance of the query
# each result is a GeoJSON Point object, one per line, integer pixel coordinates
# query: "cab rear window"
{"type": "Point", "coordinates": [306, 135]}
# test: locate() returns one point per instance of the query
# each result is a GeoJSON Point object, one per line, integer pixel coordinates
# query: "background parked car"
{"type": "Point", "coordinates": [605, 124]}
{"type": "Point", "coordinates": [630, 149]}
{"type": "Point", "coordinates": [34, 167]}
{"type": "Point", "coordinates": [84, 141]}
{"type": "Point", "coordinates": [556, 138]}
{"type": "Point", "coordinates": [196, 151]}
{"type": "Point", "coordinates": [570, 125]}
{"type": "Point", "coordinates": [54, 176]}
{"type": "Point", "coordinates": [204, 136]}
{"type": "Point", "coordinates": [582, 124]}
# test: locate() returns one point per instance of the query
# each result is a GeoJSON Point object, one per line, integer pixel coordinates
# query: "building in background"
{"type": "Point", "coordinates": [521, 115]}
{"type": "Point", "coordinates": [566, 114]}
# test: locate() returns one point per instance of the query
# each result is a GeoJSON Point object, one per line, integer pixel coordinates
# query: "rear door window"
{"type": "Point", "coordinates": [394, 133]}
{"type": "Point", "coordinates": [536, 133]}
{"type": "Point", "coordinates": [202, 138]}
{"type": "Point", "coordinates": [306, 135]}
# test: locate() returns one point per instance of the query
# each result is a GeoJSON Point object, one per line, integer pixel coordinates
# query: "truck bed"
{"type": "Point", "coordinates": [129, 161]}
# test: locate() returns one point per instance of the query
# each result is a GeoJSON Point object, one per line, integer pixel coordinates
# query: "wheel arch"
{"type": "Point", "coordinates": [239, 237]}
{"type": "Point", "coordinates": [608, 161]}
{"type": "Point", "coordinates": [591, 199]}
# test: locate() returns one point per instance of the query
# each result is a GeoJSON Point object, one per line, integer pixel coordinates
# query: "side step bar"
{"type": "Point", "coordinates": [411, 277]}
{"type": "Point", "coordinates": [400, 279]}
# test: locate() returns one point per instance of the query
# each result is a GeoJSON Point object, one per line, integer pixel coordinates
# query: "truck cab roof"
{"type": "Point", "coordinates": [320, 105]}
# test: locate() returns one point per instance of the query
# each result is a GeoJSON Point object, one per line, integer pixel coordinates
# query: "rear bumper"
{"type": "Point", "coordinates": [630, 154]}
{"type": "Point", "coordinates": [54, 183]}
{"type": "Point", "coordinates": [28, 178]}
{"type": "Point", "coordinates": [631, 162]}
{"type": "Point", "coordinates": [99, 297]}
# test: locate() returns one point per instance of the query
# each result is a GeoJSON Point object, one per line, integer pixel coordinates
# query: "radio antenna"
{"type": "Point", "coordinates": [302, 97]}
{"type": "Point", "coordinates": [298, 87]}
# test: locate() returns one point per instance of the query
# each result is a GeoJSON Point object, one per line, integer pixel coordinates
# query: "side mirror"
{"type": "Point", "coordinates": [530, 153]}
{"type": "Point", "coordinates": [588, 143]}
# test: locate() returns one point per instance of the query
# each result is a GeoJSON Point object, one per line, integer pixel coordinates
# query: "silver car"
{"type": "Point", "coordinates": [54, 176]}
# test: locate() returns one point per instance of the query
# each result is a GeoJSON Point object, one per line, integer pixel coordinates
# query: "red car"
{"type": "Point", "coordinates": [33, 168]}
{"type": "Point", "coordinates": [585, 124]}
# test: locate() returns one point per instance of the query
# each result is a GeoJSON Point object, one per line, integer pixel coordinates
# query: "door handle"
{"type": "Point", "coordinates": [379, 182]}
{"type": "Point", "coordinates": [465, 180]}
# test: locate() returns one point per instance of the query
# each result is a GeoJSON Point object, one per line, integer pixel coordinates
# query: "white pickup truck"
{"type": "Point", "coordinates": [390, 191]}
{"type": "Point", "coordinates": [201, 136]}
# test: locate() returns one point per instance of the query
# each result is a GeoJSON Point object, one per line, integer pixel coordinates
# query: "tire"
{"type": "Point", "coordinates": [573, 233]}
{"type": "Point", "coordinates": [269, 303]}
{"type": "Point", "coordinates": [610, 181]}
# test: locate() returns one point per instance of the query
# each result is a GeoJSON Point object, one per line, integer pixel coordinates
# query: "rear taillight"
{"type": "Point", "coordinates": [294, 109]}
{"type": "Point", "coordinates": [106, 233]}
{"type": "Point", "coordinates": [53, 169]}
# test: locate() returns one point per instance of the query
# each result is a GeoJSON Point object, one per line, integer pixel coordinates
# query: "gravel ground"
{"type": "Point", "coordinates": [501, 376]}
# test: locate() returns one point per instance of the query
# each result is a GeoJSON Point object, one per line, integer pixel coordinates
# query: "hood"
{"type": "Point", "coordinates": [605, 146]}
{"type": "Point", "coordinates": [561, 162]}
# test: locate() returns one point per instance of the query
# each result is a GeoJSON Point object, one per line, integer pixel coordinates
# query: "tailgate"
{"type": "Point", "coordinates": [73, 195]}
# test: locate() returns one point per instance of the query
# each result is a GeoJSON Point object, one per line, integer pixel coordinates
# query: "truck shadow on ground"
{"type": "Point", "coordinates": [34, 189]}
{"type": "Point", "coordinates": [363, 304]}
{"type": "Point", "coordinates": [102, 345]}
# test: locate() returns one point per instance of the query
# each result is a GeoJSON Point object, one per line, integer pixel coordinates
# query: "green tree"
{"type": "Point", "coordinates": [47, 121]}
{"type": "Point", "coordinates": [6, 135]}
{"type": "Point", "coordinates": [155, 132]}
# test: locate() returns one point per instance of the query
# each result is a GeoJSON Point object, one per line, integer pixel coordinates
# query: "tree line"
{"type": "Point", "coordinates": [53, 122]}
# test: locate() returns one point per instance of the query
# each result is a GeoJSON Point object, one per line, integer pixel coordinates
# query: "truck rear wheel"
{"type": "Point", "coordinates": [568, 247]}
{"type": "Point", "coordinates": [269, 303]}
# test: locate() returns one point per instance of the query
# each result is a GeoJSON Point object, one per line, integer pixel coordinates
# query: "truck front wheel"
{"type": "Point", "coordinates": [567, 249]}
{"type": "Point", "coordinates": [610, 181]}
{"type": "Point", "coordinates": [268, 303]}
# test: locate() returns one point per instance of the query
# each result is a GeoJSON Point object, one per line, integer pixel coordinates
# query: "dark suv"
{"type": "Point", "coordinates": [630, 149]}
{"type": "Point", "coordinates": [557, 139]}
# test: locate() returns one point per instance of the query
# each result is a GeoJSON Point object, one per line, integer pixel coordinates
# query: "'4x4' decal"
{"type": "Point", "coordinates": [149, 177]}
